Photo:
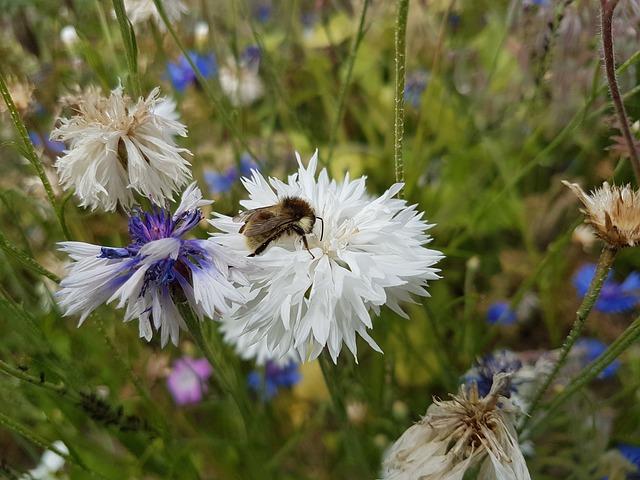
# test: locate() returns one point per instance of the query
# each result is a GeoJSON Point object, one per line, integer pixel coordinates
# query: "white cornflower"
{"type": "Point", "coordinates": [69, 36]}
{"type": "Point", "coordinates": [363, 253]}
{"type": "Point", "coordinates": [157, 270]}
{"type": "Point", "coordinates": [117, 146]}
{"type": "Point", "coordinates": [250, 349]}
{"type": "Point", "coordinates": [613, 212]}
{"type": "Point", "coordinates": [458, 434]}
{"type": "Point", "coordinates": [50, 463]}
{"type": "Point", "coordinates": [240, 81]}
{"type": "Point", "coordinates": [142, 11]}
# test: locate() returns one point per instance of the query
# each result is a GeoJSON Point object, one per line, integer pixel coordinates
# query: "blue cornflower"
{"type": "Point", "coordinates": [182, 75]}
{"type": "Point", "coordinates": [614, 297]}
{"type": "Point", "coordinates": [587, 350]}
{"type": "Point", "coordinates": [501, 313]}
{"type": "Point", "coordinates": [263, 12]}
{"type": "Point", "coordinates": [275, 376]}
{"type": "Point", "coordinates": [483, 370]}
{"type": "Point", "coordinates": [414, 86]}
{"type": "Point", "coordinates": [250, 57]}
{"type": "Point", "coordinates": [222, 182]}
{"type": "Point", "coordinates": [632, 454]}
{"type": "Point", "coordinates": [53, 146]}
{"type": "Point", "coordinates": [158, 269]}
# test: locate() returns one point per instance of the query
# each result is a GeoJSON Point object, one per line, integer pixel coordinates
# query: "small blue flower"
{"type": "Point", "coordinates": [614, 297]}
{"type": "Point", "coordinates": [182, 75]}
{"type": "Point", "coordinates": [501, 313]}
{"type": "Point", "coordinates": [632, 454]}
{"type": "Point", "coordinates": [263, 12]}
{"type": "Point", "coordinates": [588, 350]}
{"type": "Point", "coordinates": [222, 182]}
{"type": "Point", "coordinates": [250, 57]}
{"type": "Point", "coordinates": [414, 87]}
{"type": "Point", "coordinates": [483, 370]}
{"type": "Point", "coordinates": [53, 146]}
{"type": "Point", "coordinates": [274, 377]}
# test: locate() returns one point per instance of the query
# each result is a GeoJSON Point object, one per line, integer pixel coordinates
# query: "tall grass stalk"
{"type": "Point", "coordinates": [29, 151]}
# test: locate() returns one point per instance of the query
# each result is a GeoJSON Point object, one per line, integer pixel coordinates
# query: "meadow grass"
{"type": "Point", "coordinates": [480, 108]}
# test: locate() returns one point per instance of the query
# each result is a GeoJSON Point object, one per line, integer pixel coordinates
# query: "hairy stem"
{"type": "Point", "coordinates": [608, 7]}
{"type": "Point", "coordinates": [400, 75]}
{"type": "Point", "coordinates": [604, 265]}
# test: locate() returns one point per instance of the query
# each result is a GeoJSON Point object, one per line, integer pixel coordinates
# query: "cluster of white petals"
{"type": "Point", "coordinates": [365, 253]}
{"type": "Point", "coordinates": [142, 11]}
{"type": "Point", "coordinates": [240, 82]}
{"type": "Point", "coordinates": [459, 434]}
{"type": "Point", "coordinates": [116, 147]}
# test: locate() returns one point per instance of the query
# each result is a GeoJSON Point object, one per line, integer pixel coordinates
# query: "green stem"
{"type": "Point", "coordinates": [25, 259]}
{"type": "Point", "coordinates": [622, 343]}
{"type": "Point", "coordinates": [31, 155]}
{"type": "Point", "coordinates": [606, 25]}
{"type": "Point", "coordinates": [400, 75]}
{"type": "Point", "coordinates": [130, 47]}
{"type": "Point", "coordinates": [347, 80]}
{"type": "Point", "coordinates": [25, 377]}
{"type": "Point", "coordinates": [352, 441]}
{"type": "Point", "coordinates": [604, 265]}
{"type": "Point", "coordinates": [226, 367]}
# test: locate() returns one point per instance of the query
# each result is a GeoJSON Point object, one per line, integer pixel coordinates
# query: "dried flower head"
{"type": "Point", "coordinates": [458, 434]}
{"type": "Point", "coordinates": [613, 212]}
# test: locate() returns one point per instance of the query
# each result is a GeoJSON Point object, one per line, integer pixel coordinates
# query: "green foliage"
{"type": "Point", "coordinates": [500, 121]}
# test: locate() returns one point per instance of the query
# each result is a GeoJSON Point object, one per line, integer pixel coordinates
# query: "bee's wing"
{"type": "Point", "coordinates": [266, 225]}
{"type": "Point", "coordinates": [249, 214]}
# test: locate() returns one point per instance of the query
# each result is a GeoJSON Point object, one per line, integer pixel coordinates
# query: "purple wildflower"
{"type": "Point", "coordinates": [157, 270]}
{"type": "Point", "coordinates": [187, 382]}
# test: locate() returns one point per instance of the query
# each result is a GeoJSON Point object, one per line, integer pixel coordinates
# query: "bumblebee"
{"type": "Point", "coordinates": [290, 216]}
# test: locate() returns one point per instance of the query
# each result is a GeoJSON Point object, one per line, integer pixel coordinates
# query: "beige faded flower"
{"type": "Point", "coordinates": [142, 11]}
{"type": "Point", "coordinates": [240, 81]}
{"type": "Point", "coordinates": [458, 434]}
{"type": "Point", "coordinates": [22, 95]}
{"type": "Point", "coordinates": [117, 146]}
{"type": "Point", "coordinates": [613, 212]}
